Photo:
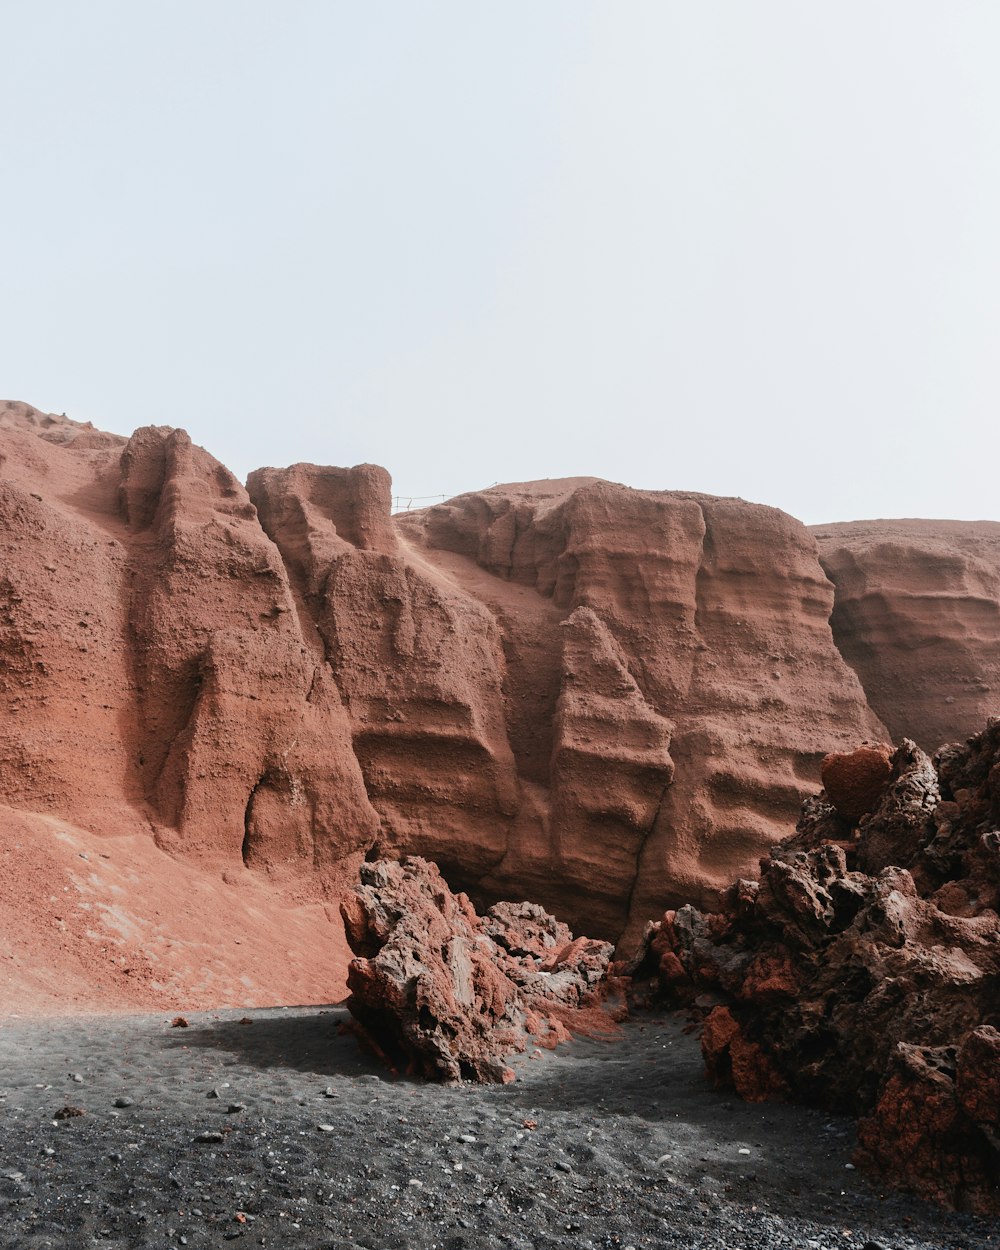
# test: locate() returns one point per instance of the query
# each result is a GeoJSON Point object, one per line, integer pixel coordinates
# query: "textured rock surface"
{"type": "Point", "coordinates": [606, 700]}
{"type": "Point", "coordinates": [917, 615]}
{"type": "Point", "coordinates": [443, 993]}
{"type": "Point", "coordinates": [681, 640]}
{"type": "Point", "coordinates": [854, 780]}
{"type": "Point", "coordinates": [861, 974]}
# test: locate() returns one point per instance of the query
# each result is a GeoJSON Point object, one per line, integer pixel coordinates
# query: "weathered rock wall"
{"type": "Point", "coordinates": [606, 700]}
{"type": "Point", "coordinates": [917, 615]}
{"type": "Point", "coordinates": [707, 671]}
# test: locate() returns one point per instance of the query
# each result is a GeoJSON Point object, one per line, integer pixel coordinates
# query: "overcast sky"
{"type": "Point", "coordinates": [749, 248]}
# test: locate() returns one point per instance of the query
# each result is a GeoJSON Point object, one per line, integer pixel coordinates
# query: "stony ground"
{"type": "Point", "coordinates": [272, 1128]}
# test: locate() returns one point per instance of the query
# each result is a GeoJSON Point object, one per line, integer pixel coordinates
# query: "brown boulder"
{"type": "Point", "coordinates": [854, 780]}
{"type": "Point", "coordinates": [439, 991]}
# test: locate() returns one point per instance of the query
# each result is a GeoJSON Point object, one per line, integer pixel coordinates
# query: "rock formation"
{"type": "Point", "coordinates": [603, 699]}
{"type": "Point", "coordinates": [439, 991]}
{"type": "Point", "coordinates": [917, 615]}
{"type": "Point", "coordinates": [861, 972]}
{"type": "Point", "coordinates": [681, 640]}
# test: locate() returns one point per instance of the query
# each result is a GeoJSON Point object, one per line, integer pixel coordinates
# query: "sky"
{"type": "Point", "coordinates": [750, 249]}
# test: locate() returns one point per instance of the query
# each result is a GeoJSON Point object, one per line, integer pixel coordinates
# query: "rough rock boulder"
{"type": "Point", "coordinates": [861, 973]}
{"type": "Point", "coordinates": [451, 995]}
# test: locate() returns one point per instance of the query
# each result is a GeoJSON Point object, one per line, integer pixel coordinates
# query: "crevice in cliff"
{"type": "Point", "coordinates": [246, 850]}
{"type": "Point", "coordinates": [706, 553]}
{"type": "Point", "coordinates": [640, 851]}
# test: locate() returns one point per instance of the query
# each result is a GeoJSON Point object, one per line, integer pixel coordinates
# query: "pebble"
{"type": "Point", "coordinates": [234, 1107]}
{"type": "Point", "coordinates": [468, 1138]}
{"type": "Point", "coordinates": [75, 1076]}
{"type": "Point", "coordinates": [124, 1102]}
{"type": "Point", "coordinates": [563, 1166]}
{"type": "Point", "coordinates": [68, 1113]}
{"type": "Point", "coordinates": [211, 1135]}
{"type": "Point", "coordinates": [327, 1128]}
{"type": "Point", "coordinates": [330, 1092]}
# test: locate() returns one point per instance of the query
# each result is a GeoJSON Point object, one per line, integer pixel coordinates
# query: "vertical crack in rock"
{"type": "Point", "coordinates": [246, 851]}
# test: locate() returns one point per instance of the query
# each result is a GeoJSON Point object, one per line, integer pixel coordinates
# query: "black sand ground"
{"type": "Point", "coordinates": [596, 1145]}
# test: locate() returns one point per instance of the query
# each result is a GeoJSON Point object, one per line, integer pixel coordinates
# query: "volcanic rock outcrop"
{"type": "Point", "coordinates": [861, 973]}
{"type": "Point", "coordinates": [441, 992]}
{"type": "Point", "coordinates": [917, 615]}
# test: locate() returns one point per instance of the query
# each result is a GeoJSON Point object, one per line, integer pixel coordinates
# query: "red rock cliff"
{"type": "Point", "coordinates": [605, 700]}
{"type": "Point", "coordinates": [917, 615]}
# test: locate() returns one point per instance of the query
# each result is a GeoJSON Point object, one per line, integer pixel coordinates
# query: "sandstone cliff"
{"type": "Point", "coordinates": [604, 700]}
{"type": "Point", "coordinates": [917, 615]}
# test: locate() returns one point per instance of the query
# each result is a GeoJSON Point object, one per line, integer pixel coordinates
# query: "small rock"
{"type": "Point", "coordinates": [330, 1092]}
{"type": "Point", "coordinates": [234, 1107]}
{"type": "Point", "coordinates": [210, 1136]}
{"type": "Point", "coordinates": [179, 1022]}
{"type": "Point", "coordinates": [68, 1113]}
{"type": "Point", "coordinates": [563, 1166]}
{"type": "Point", "coordinates": [75, 1076]}
{"type": "Point", "coordinates": [469, 1138]}
{"type": "Point", "coordinates": [327, 1128]}
{"type": "Point", "coordinates": [124, 1102]}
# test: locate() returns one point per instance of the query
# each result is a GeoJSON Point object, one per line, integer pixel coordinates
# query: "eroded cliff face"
{"type": "Point", "coordinates": [685, 663]}
{"type": "Point", "coordinates": [917, 615]}
{"type": "Point", "coordinates": [605, 700]}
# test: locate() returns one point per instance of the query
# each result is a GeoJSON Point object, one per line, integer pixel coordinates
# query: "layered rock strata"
{"type": "Point", "coordinates": [604, 699]}
{"type": "Point", "coordinates": [446, 994]}
{"type": "Point", "coordinates": [684, 684]}
{"type": "Point", "coordinates": [917, 615]}
{"type": "Point", "coordinates": [860, 973]}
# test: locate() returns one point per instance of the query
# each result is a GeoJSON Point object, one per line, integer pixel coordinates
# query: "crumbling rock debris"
{"type": "Point", "coordinates": [861, 973]}
{"type": "Point", "coordinates": [450, 995]}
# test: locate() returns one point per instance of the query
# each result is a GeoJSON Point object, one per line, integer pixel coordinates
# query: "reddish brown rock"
{"type": "Point", "coordinates": [917, 615]}
{"type": "Point", "coordinates": [611, 701]}
{"type": "Point", "coordinates": [854, 780]}
{"type": "Point", "coordinates": [862, 976]}
{"type": "Point", "coordinates": [439, 991]}
{"type": "Point", "coordinates": [703, 667]}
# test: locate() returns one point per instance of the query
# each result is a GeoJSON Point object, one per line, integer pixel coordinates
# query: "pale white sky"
{"type": "Point", "coordinates": [744, 248]}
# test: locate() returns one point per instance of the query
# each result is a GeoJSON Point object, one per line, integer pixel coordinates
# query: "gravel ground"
{"type": "Point", "coordinates": [274, 1129]}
